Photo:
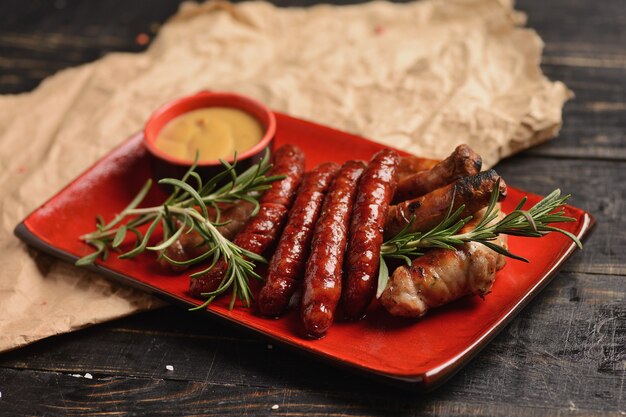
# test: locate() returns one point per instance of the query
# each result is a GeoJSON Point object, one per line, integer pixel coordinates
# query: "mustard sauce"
{"type": "Point", "coordinates": [214, 132]}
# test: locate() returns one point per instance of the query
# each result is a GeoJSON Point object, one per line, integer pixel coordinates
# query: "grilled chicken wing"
{"type": "Point", "coordinates": [442, 275]}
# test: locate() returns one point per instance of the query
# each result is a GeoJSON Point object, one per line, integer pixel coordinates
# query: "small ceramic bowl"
{"type": "Point", "coordinates": [167, 166]}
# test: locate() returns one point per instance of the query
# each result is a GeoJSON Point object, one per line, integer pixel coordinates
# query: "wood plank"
{"type": "Point", "coordinates": [598, 187]}
{"type": "Point", "coordinates": [563, 355]}
{"type": "Point", "coordinates": [117, 396]}
{"type": "Point", "coordinates": [594, 122]}
{"type": "Point", "coordinates": [585, 49]}
{"type": "Point", "coordinates": [39, 38]}
{"type": "Point", "coordinates": [579, 22]}
{"type": "Point", "coordinates": [564, 351]}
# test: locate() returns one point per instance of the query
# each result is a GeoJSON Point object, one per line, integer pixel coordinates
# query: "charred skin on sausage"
{"type": "Point", "coordinates": [263, 230]}
{"type": "Point", "coordinates": [463, 162]}
{"type": "Point", "coordinates": [190, 244]}
{"type": "Point", "coordinates": [322, 279]}
{"type": "Point", "coordinates": [411, 164]}
{"type": "Point", "coordinates": [427, 211]}
{"type": "Point", "coordinates": [286, 267]}
{"type": "Point", "coordinates": [375, 191]}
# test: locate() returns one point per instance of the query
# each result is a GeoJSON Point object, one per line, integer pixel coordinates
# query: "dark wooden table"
{"type": "Point", "coordinates": [564, 354]}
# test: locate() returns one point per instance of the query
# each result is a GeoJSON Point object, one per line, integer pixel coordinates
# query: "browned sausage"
{"type": "Point", "coordinates": [262, 230]}
{"type": "Point", "coordinates": [430, 209]}
{"type": "Point", "coordinates": [235, 218]}
{"type": "Point", "coordinates": [443, 275]}
{"type": "Point", "coordinates": [287, 265]}
{"type": "Point", "coordinates": [463, 162]}
{"type": "Point", "coordinates": [191, 245]}
{"type": "Point", "coordinates": [376, 188]}
{"type": "Point", "coordinates": [287, 160]}
{"type": "Point", "coordinates": [187, 246]}
{"type": "Point", "coordinates": [411, 164]}
{"type": "Point", "coordinates": [322, 279]}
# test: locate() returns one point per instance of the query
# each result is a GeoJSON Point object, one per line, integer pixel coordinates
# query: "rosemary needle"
{"type": "Point", "coordinates": [189, 206]}
{"type": "Point", "coordinates": [534, 222]}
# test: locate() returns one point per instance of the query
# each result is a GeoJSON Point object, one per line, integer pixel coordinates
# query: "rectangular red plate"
{"type": "Point", "coordinates": [421, 353]}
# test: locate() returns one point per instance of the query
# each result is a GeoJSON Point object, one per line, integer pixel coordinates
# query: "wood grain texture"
{"type": "Point", "coordinates": [585, 49]}
{"type": "Point", "coordinates": [597, 186]}
{"type": "Point", "coordinates": [565, 354]}
{"type": "Point", "coordinates": [555, 356]}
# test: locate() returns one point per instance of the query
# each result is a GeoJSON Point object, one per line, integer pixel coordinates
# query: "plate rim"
{"type": "Point", "coordinates": [422, 381]}
{"type": "Point", "coordinates": [428, 380]}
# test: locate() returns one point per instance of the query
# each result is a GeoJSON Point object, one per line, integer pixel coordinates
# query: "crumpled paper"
{"type": "Point", "coordinates": [423, 77]}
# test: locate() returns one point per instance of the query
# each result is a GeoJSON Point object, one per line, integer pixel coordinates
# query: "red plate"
{"type": "Point", "coordinates": [422, 353]}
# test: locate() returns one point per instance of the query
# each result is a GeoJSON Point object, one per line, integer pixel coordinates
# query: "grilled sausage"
{"type": "Point", "coordinates": [191, 245]}
{"type": "Point", "coordinates": [262, 230]}
{"type": "Point", "coordinates": [411, 164]}
{"type": "Point", "coordinates": [235, 218]}
{"type": "Point", "coordinates": [442, 275]}
{"type": "Point", "coordinates": [287, 265]}
{"type": "Point", "coordinates": [463, 162]}
{"type": "Point", "coordinates": [430, 209]}
{"type": "Point", "coordinates": [322, 279]}
{"type": "Point", "coordinates": [376, 188]}
{"type": "Point", "coordinates": [288, 160]}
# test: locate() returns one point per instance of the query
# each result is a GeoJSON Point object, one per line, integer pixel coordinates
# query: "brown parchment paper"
{"type": "Point", "coordinates": [423, 77]}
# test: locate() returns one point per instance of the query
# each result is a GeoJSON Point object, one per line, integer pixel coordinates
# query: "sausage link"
{"type": "Point", "coordinates": [288, 160]}
{"type": "Point", "coordinates": [376, 188]}
{"type": "Point", "coordinates": [411, 164]}
{"type": "Point", "coordinates": [191, 245]}
{"type": "Point", "coordinates": [187, 246]}
{"type": "Point", "coordinates": [322, 279]}
{"type": "Point", "coordinates": [287, 265]}
{"type": "Point", "coordinates": [256, 236]}
{"type": "Point", "coordinates": [463, 162]}
{"type": "Point", "coordinates": [261, 231]}
{"type": "Point", "coordinates": [235, 218]}
{"type": "Point", "coordinates": [430, 209]}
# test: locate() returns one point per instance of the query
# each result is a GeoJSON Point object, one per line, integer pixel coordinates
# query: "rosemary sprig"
{"type": "Point", "coordinates": [534, 222]}
{"type": "Point", "coordinates": [187, 209]}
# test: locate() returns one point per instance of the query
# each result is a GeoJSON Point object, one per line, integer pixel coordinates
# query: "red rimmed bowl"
{"type": "Point", "coordinates": [167, 166]}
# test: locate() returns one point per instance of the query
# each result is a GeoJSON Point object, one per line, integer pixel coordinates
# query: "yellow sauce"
{"type": "Point", "coordinates": [214, 132]}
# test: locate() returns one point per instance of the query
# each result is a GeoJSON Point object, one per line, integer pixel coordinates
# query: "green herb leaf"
{"type": "Point", "coordinates": [142, 246]}
{"type": "Point", "coordinates": [534, 222]}
{"type": "Point", "coordinates": [164, 245]}
{"type": "Point", "coordinates": [91, 258]}
{"type": "Point", "coordinates": [189, 189]}
{"type": "Point", "coordinates": [133, 204]}
{"type": "Point", "coordinates": [188, 204]}
{"type": "Point", "coordinates": [119, 236]}
{"type": "Point", "coordinates": [383, 277]}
